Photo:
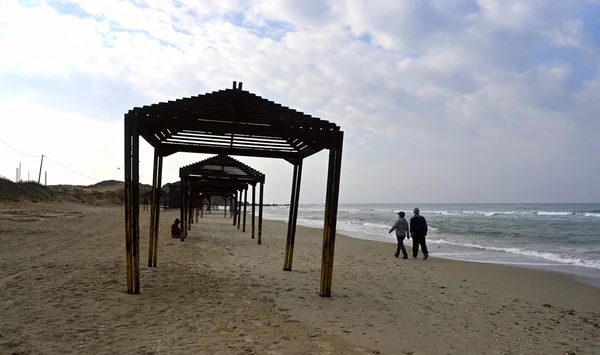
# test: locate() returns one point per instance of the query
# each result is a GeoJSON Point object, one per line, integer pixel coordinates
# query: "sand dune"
{"type": "Point", "coordinates": [62, 283]}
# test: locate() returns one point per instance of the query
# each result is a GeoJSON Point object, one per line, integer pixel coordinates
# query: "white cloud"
{"type": "Point", "coordinates": [450, 98]}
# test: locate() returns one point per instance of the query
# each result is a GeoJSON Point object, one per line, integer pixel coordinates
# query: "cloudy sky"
{"type": "Point", "coordinates": [441, 100]}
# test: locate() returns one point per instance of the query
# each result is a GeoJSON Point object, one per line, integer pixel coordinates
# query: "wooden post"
{"type": "Point", "coordinates": [330, 218]}
{"type": "Point", "coordinates": [157, 216]}
{"type": "Point", "coordinates": [290, 217]}
{"type": "Point", "coordinates": [253, 206]}
{"type": "Point", "coordinates": [201, 205]}
{"type": "Point", "coordinates": [184, 197]}
{"type": "Point", "coordinates": [225, 206]}
{"type": "Point", "coordinates": [293, 216]}
{"type": "Point", "coordinates": [245, 203]}
{"type": "Point", "coordinates": [128, 211]}
{"type": "Point", "coordinates": [260, 211]}
{"type": "Point", "coordinates": [197, 199]}
{"type": "Point", "coordinates": [151, 230]}
{"type": "Point", "coordinates": [181, 202]}
{"type": "Point", "coordinates": [190, 209]}
{"type": "Point", "coordinates": [135, 196]}
{"type": "Point", "coordinates": [239, 210]}
{"type": "Point", "coordinates": [234, 204]}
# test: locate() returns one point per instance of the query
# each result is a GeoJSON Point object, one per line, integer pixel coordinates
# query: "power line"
{"type": "Point", "coordinates": [52, 160]}
{"type": "Point", "coordinates": [76, 172]}
{"type": "Point", "coordinates": [27, 155]}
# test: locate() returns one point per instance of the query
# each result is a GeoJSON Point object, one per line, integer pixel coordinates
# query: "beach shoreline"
{"type": "Point", "coordinates": [588, 275]}
{"type": "Point", "coordinates": [63, 291]}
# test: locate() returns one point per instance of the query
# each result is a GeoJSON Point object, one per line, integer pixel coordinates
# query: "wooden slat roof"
{"type": "Point", "coordinates": [222, 168]}
{"type": "Point", "coordinates": [233, 121]}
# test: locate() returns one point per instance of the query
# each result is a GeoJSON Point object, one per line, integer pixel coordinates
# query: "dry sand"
{"type": "Point", "coordinates": [62, 291]}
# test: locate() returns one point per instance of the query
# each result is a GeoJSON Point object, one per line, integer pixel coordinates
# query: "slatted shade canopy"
{"type": "Point", "coordinates": [229, 122]}
{"type": "Point", "coordinates": [233, 122]}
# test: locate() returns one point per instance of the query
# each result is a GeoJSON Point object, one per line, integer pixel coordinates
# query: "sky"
{"type": "Point", "coordinates": [440, 100]}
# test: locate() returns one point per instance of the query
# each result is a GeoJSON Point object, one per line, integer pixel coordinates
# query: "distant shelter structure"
{"type": "Point", "coordinates": [232, 122]}
{"type": "Point", "coordinates": [222, 174]}
{"type": "Point", "coordinates": [163, 200]}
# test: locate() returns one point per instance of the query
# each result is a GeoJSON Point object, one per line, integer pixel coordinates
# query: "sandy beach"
{"type": "Point", "coordinates": [62, 291]}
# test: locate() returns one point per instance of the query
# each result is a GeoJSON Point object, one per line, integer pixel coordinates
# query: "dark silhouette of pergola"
{"type": "Point", "coordinates": [223, 170]}
{"type": "Point", "coordinates": [233, 122]}
{"type": "Point", "coordinates": [164, 199]}
{"type": "Point", "coordinates": [197, 185]}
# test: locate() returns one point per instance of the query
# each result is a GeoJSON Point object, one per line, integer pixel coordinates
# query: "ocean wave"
{"type": "Point", "coordinates": [562, 259]}
{"type": "Point", "coordinates": [363, 211]}
{"type": "Point", "coordinates": [508, 213]}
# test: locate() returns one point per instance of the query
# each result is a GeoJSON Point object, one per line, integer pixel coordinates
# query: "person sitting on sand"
{"type": "Point", "coordinates": [175, 231]}
{"type": "Point", "coordinates": [418, 230]}
{"type": "Point", "coordinates": [401, 228]}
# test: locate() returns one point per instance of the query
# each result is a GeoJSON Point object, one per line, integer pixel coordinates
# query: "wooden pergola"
{"type": "Point", "coordinates": [163, 200]}
{"type": "Point", "coordinates": [223, 170]}
{"type": "Point", "coordinates": [193, 186]}
{"type": "Point", "coordinates": [233, 122]}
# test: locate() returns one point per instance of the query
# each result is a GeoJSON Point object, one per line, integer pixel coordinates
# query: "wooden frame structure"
{"type": "Point", "coordinates": [164, 200]}
{"type": "Point", "coordinates": [222, 170]}
{"type": "Point", "coordinates": [193, 186]}
{"type": "Point", "coordinates": [233, 122]}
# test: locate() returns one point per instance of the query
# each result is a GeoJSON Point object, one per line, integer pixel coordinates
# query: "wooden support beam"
{"type": "Point", "coordinates": [189, 211]}
{"type": "Point", "coordinates": [330, 218]}
{"type": "Point", "coordinates": [294, 216]}
{"type": "Point", "coordinates": [171, 148]}
{"type": "Point", "coordinates": [196, 206]}
{"type": "Point", "coordinates": [128, 205]}
{"type": "Point", "coordinates": [157, 216]}
{"type": "Point", "coordinates": [135, 197]}
{"type": "Point", "coordinates": [151, 229]}
{"type": "Point", "coordinates": [234, 204]}
{"type": "Point", "coordinates": [225, 206]}
{"type": "Point", "coordinates": [239, 211]}
{"type": "Point", "coordinates": [245, 203]}
{"type": "Point", "coordinates": [201, 205]}
{"type": "Point", "coordinates": [184, 189]}
{"type": "Point", "coordinates": [290, 217]}
{"type": "Point", "coordinates": [260, 211]}
{"type": "Point", "coordinates": [181, 206]}
{"type": "Point", "coordinates": [253, 208]}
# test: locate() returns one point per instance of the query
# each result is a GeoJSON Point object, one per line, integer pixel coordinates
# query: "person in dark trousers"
{"type": "Point", "coordinates": [418, 230]}
{"type": "Point", "coordinates": [401, 228]}
{"type": "Point", "coordinates": [175, 231]}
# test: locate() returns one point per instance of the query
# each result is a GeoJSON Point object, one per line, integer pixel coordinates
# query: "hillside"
{"type": "Point", "coordinates": [104, 192]}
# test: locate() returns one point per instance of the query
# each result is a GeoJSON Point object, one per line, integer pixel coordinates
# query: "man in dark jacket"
{"type": "Point", "coordinates": [418, 231]}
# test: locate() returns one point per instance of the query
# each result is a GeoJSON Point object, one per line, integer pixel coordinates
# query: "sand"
{"type": "Point", "coordinates": [62, 291]}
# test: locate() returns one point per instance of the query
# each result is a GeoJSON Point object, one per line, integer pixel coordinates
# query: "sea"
{"type": "Point", "coordinates": [556, 237]}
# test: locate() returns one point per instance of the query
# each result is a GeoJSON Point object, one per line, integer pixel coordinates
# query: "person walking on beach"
{"type": "Point", "coordinates": [418, 230]}
{"type": "Point", "coordinates": [401, 228]}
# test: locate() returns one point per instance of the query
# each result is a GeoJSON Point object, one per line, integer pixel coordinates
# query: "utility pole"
{"type": "Point", "coordinates": [40, 174]}
{"type": "Point", "coordinates": [45, 178]}
{"type": "Point", "coordinates": [17, 176]}
{"type": "Point", "coordinates": [28, 179]}
{"type": "Point", "coordinates": [19, 179]}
